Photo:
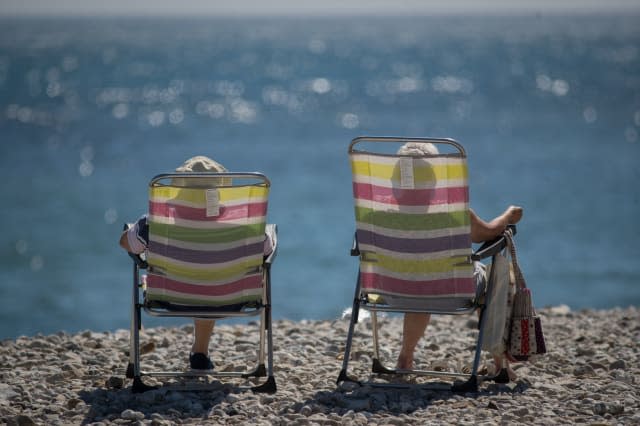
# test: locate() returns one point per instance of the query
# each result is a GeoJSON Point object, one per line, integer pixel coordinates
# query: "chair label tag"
{"type": "Point", "coordinates": [406, 173]}
{"type": "Point", "coordinates": [213, 202]}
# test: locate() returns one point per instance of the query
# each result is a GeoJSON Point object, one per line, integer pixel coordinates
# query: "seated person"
{"type": "Point", "coordinates": [136, 238]}
{"type": "Point", "coordinates": [415, 324]}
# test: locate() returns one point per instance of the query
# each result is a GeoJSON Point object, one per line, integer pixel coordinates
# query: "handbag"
{"type": "Point", "coordinates": [525, 334]}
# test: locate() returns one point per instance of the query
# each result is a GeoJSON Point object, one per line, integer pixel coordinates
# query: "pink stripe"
{"type": "Point", "coordinates": [524, 330]}
{"type": "Point", "coordinates": [226, 213]}
{"type": "Point", "coordinates": [452, 286]}
{"type": "Point", "coordinates": [162, 283]}
{"type": "Point", "coordinates": [410, 197]}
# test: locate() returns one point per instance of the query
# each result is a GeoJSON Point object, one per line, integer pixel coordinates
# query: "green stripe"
{"type": "Point", "coordinates": [413, 222]}
{"type": "Point", "coordinates": [213, 274]}
{"type": "Point", "coordinates": [204, 236]}
{"type": "Point", "coordinates": [203, 302]}
{"type": "Point", "coordinates": [421, 266]}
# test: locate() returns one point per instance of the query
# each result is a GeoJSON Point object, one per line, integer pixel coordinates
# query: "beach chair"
{"type": "Point", "coordinates": [206, 259]}
{"type": "Point", "coordinates": [413, 242]}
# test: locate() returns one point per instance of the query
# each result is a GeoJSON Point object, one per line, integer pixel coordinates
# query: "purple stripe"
{"type": "Point", "coordinates": [206, 256]}
{"type": "Point", "coordinates": [414, 245]}
{"type": "Point", "coordinates": [541, 348]}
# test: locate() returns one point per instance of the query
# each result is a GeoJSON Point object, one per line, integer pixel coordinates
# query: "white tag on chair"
{"type": "Point", "coordinates": [213, 202]}
{"type": "Point", "coordinates": [406, 173]}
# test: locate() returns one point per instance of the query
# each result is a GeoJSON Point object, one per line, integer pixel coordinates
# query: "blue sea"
{"type": "Point", "coordinates": [547, 107]}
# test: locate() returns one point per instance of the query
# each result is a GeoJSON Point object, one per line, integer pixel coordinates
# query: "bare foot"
{"type": "Point", "coordinates": [514, 214]}
{"type": "Point", "coordinates": [405, 362]}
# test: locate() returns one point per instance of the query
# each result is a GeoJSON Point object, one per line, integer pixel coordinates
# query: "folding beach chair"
{"type": "Point", "coordinates": [206, 259]}
{"type": "Point", "coordinates": [413, 240]}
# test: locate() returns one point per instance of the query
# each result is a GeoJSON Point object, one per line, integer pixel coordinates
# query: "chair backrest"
{"type": "Point", "coordinates": [206, 241]}
{"type": "Point", "coordinates": [413, 225]}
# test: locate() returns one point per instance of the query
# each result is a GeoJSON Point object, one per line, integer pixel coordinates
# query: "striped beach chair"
{"type": "Point", "coordinates": [206, 259]}
{"type": "Point", "coordinates": [412, 238]}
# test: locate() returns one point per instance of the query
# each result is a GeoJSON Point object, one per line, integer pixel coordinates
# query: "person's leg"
{"type": "Point", "coordinates": [501, 364]}
{"type": "Point", "coordinates": [413, 329]}
{"type": "Point", "coordinates": [202, 335]}
{"type": "Point", "coordinates": [485, 231]}
{"type": "Point", "coordinates": [199, 356]}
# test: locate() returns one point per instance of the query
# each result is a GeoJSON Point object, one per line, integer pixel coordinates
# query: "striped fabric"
{"type": "Point", "coordinates": [206, 245]}
{"type": "Point", "coordinates": [413, 229]}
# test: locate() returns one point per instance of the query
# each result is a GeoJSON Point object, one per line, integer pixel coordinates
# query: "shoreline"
{"type": "Point", "coordinates": [591, 374]}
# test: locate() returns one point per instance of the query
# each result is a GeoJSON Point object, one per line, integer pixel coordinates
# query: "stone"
{"type": "Point", "coordinates": [574, 383]}
{"type": "Point", "coordinates": [583, 370]}
{"type": "Point", "coordinates": [129, 414]}
{"type": "Point", "coordinates": [115, 382]}
{"type": "Point", "coordinates": [7, 393]}
{"type": "Point", "coordinates": [618, 365]}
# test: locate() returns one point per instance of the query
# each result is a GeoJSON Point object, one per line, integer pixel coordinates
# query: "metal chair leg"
{"type": "Point", "coordinates": [342, 377]}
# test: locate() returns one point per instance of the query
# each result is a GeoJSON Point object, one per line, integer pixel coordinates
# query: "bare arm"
{"type": "Point", "coordinates": [124, 242]}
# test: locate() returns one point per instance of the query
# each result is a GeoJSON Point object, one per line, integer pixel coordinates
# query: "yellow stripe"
{"type": "Point", "coordinates": [179, 298]}
{"type": "Point", "coordinates": [420, 266]}
{"type": "Point", "coordinates": [198, 195]}
{"type": "Point", "coordinates": [422, 172]}
{"type": "Point", "coordinates": [214, 274]}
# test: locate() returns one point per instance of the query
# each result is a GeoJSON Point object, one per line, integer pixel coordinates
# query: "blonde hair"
{"type": "Point", "coordinates": [197, 164]}
{"type": "Point", "coordinates": [418, 149]}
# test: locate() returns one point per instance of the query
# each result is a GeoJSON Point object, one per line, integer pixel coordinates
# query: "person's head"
{"type": "Point", "coordinates": [198, 164]}
{"type": "Point", "coordinates": [418, 149]}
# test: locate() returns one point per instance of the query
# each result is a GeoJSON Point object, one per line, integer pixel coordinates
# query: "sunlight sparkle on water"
{"type": "Point", "coordinates": [120, 111]}
{"type": "Point", "coordinates": [451, 84]}
{"type": "Point", "coordinates": [37, 263]}
{"type": "Point", "coordinates": [350, 120]}
{"type": "Point", "coordinates": [176, 116]}
{"type": "Point", "coordinates": [155, 118]}
{"type": "Point", "coordinates": [321, 86]}
{"type": "Point", "coordinates": [590, 114]}
{"type": "Point", "coordinates": [317, 46]}
{"type": "Point", "coordinates": [110, 216]}
{"type": "Point", "coordinates": [557, 87]}
{"type": "Point", "coordinates": [21, 247]}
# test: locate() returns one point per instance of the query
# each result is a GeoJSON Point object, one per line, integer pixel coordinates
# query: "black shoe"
{"type": "Point", "coordinates": [200, 361]}
{"type": "Point", "coordinates": [501, 377]}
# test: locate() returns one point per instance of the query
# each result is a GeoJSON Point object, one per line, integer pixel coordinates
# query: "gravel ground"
{"type": "Point", "coordinates": [589, 376]}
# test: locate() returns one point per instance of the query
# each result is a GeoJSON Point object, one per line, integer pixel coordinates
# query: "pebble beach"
{"type": "Point", "coordinates": [590, 375]}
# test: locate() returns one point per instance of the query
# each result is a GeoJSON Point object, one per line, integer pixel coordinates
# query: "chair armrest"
{"type": "Point", "coordinates": [355, 249]}
{"type": "Point", "coordinates": [493, 247]}
{"type": "Point", "coordinates": [272, 231]}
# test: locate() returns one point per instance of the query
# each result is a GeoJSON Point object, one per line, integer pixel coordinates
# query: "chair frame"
{"type": "Point", "coordinates": [139, 303]}
{"type": "Point", "coordinates": [360, 301]}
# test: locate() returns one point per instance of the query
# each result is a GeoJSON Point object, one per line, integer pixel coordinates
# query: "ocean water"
{"type": "Point", "coordinates": [548, 109]}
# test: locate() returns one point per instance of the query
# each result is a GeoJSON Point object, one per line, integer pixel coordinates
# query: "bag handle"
{"type": "Point", "coordinates": [520, 283]}
{"type": "Point", "coordinates": [522, 303]}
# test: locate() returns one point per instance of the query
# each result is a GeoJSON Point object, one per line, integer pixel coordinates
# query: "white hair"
{"type": "Point", "coordinates": [200, 163]}
{"type": "Point", "coordinates": [418, 149]}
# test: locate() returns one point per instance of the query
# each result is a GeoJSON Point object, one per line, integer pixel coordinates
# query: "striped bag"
{"type": "Point", "coordinates": [206, 245]}
{"type": "Point", "coordinates": [413, 229]}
